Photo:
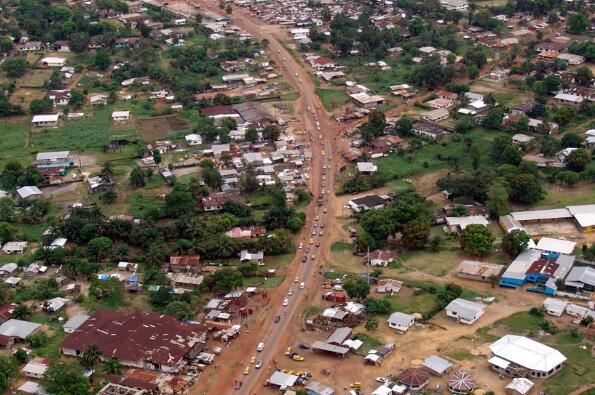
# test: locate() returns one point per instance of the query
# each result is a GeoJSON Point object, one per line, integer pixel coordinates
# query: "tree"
{"type": "Point", "coordinates": [212, 178]}
{"type": "Point", "coordinates": [464, 124]}
{"type": "Point", "coordinates": [102, 60]}
{"type": "Point", "coordinates": [5, 45]}
{"type": "Point", "coordinates": [271, 132]}
{"type": "Point", "coordinates": [356, 288]}
{"type": "Point", "coordinates": [65, 379]}
{"type": "Point", "coordinates": [39, 106]}
{"type": "Point", "coordinates": [8, 371]}
{"type": "Point", "coordinates": [179, 309]}
{"type": "Point", "coordinates": [179, 203]}
{"type": "Point", "coordinates": [403, 126]}
{"type": "Point", "coordinates": [578, 160]}
{"type": "Point", "coordinates": [224, 280]}
{"type": "Point", "coordinates": [156, 156]}
{"type": "Point", "coordinates": [15, 67]}
{"type": "Point", "coordinates": [77, 99]}
{"type": "Point", "coordinates": [493, 119]}
{"type": "Point", "coordinates": [515, 242]}
{"type": "Point", "coordinates": [251, 134]}
{"type": "Point", "coordinates": [577, 23]}
{"type": "Point", "coordinates": [584, 75]}
{"type": "Point", "coordinates": [526, 189]}
{"type": "Point", "coordinates": [137, 177]}
{"type": "Point", "coordinates": [21, 312]}
{"type": "Point", "coordinates": [415, 234]}
{"type": "Point", "coordinates": [497, 198]}
{"type": "Point", "coordinates": [155, 255]}
{"type": "Point", "coordinates": [571, 140]}
{"type": "Point", "coordinates": [107, 170]}
{"type": "Point", "coordinates": [476, 240]}
{"type": "Point", "coordinates": [371, 324]}
{"type": "Point", "coordinates": [79, 42]}
{"type": "Point", "coordinates": [91, 355]}
{"type": "Point", "coordinates": [472, 72]}
{"type": "Point", "coordinates": [21, 356]}
{"type": "Point", "coordinates": [112, 366]}
{"type": "Point", "coordinates": [99, 248]}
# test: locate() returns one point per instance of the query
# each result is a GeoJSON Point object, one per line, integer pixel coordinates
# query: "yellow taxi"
{"type": "Point", "coordinates": [288, 351]}
{"type": "Point", "coordinates": [320, 136]}
{"type": "Point", "coordinates": [247, 370]}
{"type": "Point", "coordinates": [324, 210]}
{"type": "Point", "coordinates": [296, 280]}
{"type": "Point", "coordinates": [298, 358]}
{"type": "Point", "coordinates": [313, 257]}
{"type": "Point", "coordinates": [322, 153]}
{"type": "Point", "coordinates": [323, 178]}
{"type": "Point", "coordinates": [317, 218]}
{"type": "Point", "coordinates": [326, 286]}
{"type": "Point", "coordinates": [357, 384]}
{"type": "Point", "coordinates": [311, 241]}
{"type": "Point", "coordinates": [252, 360]}
{"type": "Point", "coordinates": [320, 233]}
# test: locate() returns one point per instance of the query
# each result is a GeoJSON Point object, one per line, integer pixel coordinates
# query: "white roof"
{"type": "Point", "coordinates": [437, 364]}
{"type": "Point", "coordinates": [18, 328]}
{"type": "Point", "coordinates": [193, 137]}
{"type": "Point", "coordinates": [556, 245]}
{"type": "Point", "coordinates": [464, 306]}
{"type": "Point", "coordinates": [28, 190]}
{"type": "Point", "coordinates": [401, 319]}
{"type": "Point", "coordinates": [463, 222]}
{"type": "Point", "coordinates": [9, 267]}
{"type": "Point", "coordinates": [31, 387]}
{"type": "Point", "coordinates": [527, 353]}
{"type": "Point", "coordinates": [366, 167]}
{"type": "Point", "coordinates": [584, 214]}
{"type": "Point", "coordinates": [554, 305]}
{"type": "Point", "coordinates": [120, 114]}
{"type": "Point", "coordinates": [52, 155]}
{"type": "Point", "coordinates": [382, 390]}
{"type": "Point", "coordinates": [556, 213]}
{"type": "Point", "coordinates": [365, 98]}
{"type": "Point", "coordinates": [36, 368]}
{"type": "Point", "coordinates": [583, 274]}
{"type": "Point", "coordinates": [283, 379]}
{"type": "Point", "coordinates": [76, 321]}
{"type": "Point", "coordinates": [569, 97]}
{"type": "Point", "coordinates": [520, 385]}
{"type": "Point", "coordinates": [45, 118]}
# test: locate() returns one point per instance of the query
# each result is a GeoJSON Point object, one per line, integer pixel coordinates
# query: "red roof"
{"type": "Point", "coordinates": [193, 260]}
{"type": "Point", "coordinates": [217, 110]}
{"type": "Point", "coordinates": [137, 336]}
{"type": "Point", "coordinates": [414, 377]}
{"type": "Point", "coordinates": [323, 60]}
{"type": "Point", "coordinates": [5, 340]}
{"type": "Point", "coordinates": [137, 378]}
{"type": "Point", "coordinates": [383, 255]}
{"type": "Point", "coordinates": [447, 94]}
{"type": "Point", "coordinates": [546, 267]}
{"type": "Point", "coordinates": [6, 311]}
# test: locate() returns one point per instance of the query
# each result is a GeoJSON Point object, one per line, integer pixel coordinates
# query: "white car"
{"type": "Point", "coordinates": [301, 245]}
{"type": "Point", "coordinates": [285, 302]}
{"type": "Point", "coordinates": [290, 292]}
{"type": "Point", "coordinates": [302, 285]}
{"type": "Point", "coordinates": [382, 379]}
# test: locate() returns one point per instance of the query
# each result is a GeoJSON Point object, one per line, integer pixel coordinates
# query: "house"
{"type": "Point", "coordinates": [366, 100]}
{"type": "Point", "coordinates": [45, 121]}
{"type": "Point", "coordinates": [554, 306]}
{"type": "Point", "coordinates": [75, 322]}
{"type": "Point", "coordinates": [246, 256]}
{"type": "Point", "coordinates": [215, 202]}
{"type": "Point", "coordinates": [400, 321]}
{"type": "Point", "coordinates": [436, 365]}
{"type": "Point", "coordinates": [54, 305]}
{"type": "Point", "coordinates": [428, 130]}
{"type": "Point", "coordinates": [120, 117]}
{"type": "Point", "coordinates": [388, 285]}
{"type": "Point", "coordinates": [366, 168]}
{"type": "Point", "coordinates": [61, 46]}
{"type": "Point", "coordinates": [568, 98]}
{"type": "Point", "coordinates": [580, 279]}
{"type": "Point", "coordinates": [15, 247]}
{"type": "Point", "coordinates": [584, 217]}
{"type": "Point", "coordinates": [572, 59]}
{"type": "Point", "coordinates": [519, 386]}
{"type": "Point", "coordinates": [246, 232]}
{"type": "Point", "coordinates": [414, 378]}
{"type": "Point", "coordinates": [439, 103]}
{"type": "Point", "coordinates": [232, 66]}
{"type": "Point", "coordinates": [193, 139]}
{"type": "Point", "coordinates": [454, 5]}
{"type": "Point", "coordinates": [519, 356]}
{"type": "Point", "coordinates": [59, 97]}
{"type": "Point", "coordinates": [366, 203]}
{"type": "Point", "coordinates": [98, 100]}
{"type": "Point", "coordinates": [185, 263]}
{"type": "Point", "coordinates": [55, 159]}
{"type": "Point", "coordinates": [437, 115]}
{"type": "Point", "coordinates": [555, 247]}
{"type": "Point", "coordinates": [322, 63]}
{"type": "Point", "coordinates": [36, 368]}
{"type": "Point", "coordinates": [32, 46]}
{"type": "Point", "coordinates": [52, 61]}
{"type": "Point", "coordinates": [546, 46]}
{"type": "Point", "coordinates": [479, 271]}
{"type": "Point", "coordinates": [139, 339]}
{"type": "Point", "coordinates": [99, 184]}
{"type": "Point", "coordinates": [339, 336]}
{"type": "Point", "coordinates": [458, 224]}
{"type": "Point", "coordinates": [381, 257]}
{"type": "Point", "coordinates": [8, 269]}
{"type": "Point", "coordinates": [127, 42]}
{"type": "Point", "coordinates": [461, 382]}
{"type": "Point", "coordinates": [18, 329]}
{"type": "Point", "coordinates": [465, 311]}
{"type": "Point", "coordinates": [522, 139]}
{"type": "Point", "coordinates": [427, 50]}
{"type": "Point", "coordinates": [29, 192]}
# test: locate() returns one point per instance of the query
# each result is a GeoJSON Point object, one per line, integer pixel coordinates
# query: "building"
{"type": "Point", "coordinates": [554, 306]}
{"type": "Point", "coordinates": [45, 121]}
{"type": "Point", "coordinates": [366, 168]}
{"type": "Point", "coordinates": [185, 263]}
{"type": "Point", "coordinates": [437, 115]}
{"type": "Point", "coordinates": [428, 130]}
{"type": "Point", "coordinates": [454, 5]}
{"type": "Point", "coordinates": [400, 321]}
{"type": "Point", "coordinates": [519, 356]}
{"type": "Point", "coordinates": [75, 322]}
{"type": "Point", "coordinates": [461, 382]}
{"type": "Point", "coordinates": [519, 386]}
{"type": "Point", "coordinates": [440, 103]}
{"type": "Point", "coordinates": [18, 329]}
{"type": "Point", "coordinates": [59, 159]}
{"type": "Point", "coordinates": [52, 61]}
{"type": "Point", "coordinates": [568, 98]}
{"type": "Point", "coordinates": [246, 232]}
{"type": "Point", "coordinates": [572, 59]}
{"type": "Point", "coordinates": [381, 257]}
{"type": "Point", "coordinates": [29, 192]}
{"type": "Point", "coordinates": [339, 336]}
{"type": "Point", "coordinates": [479, 271]}
{"type": "Point", "coordinates": [193, 139]}
{"type": "Point", "coordinates": [414, 378]}
{"type": "Point", "coordinates": [144, 340]}
{"type": "Point", "coordinates": [465, 311]}
{"type": "Point", "coordinates": [120, 117]}
{"type": "Point", "coordinates": [366, 203]}
{"type": "Point", "coordinates": [583, 216]}
{"type": "Point", "coordinates": [366, 100]}
{"type": "Point", "coordinates": [15, 247]}
{"type": "Point", "coordinates": [580, 279]}
{"type": "Point", "coordinates": [60, 97]}
{"type": "Point", "coordinates": [388, 285]}
{"type": "Point", "coordinates": [436, 365]}
{"type": "Point", "coordinates": [458, 224]}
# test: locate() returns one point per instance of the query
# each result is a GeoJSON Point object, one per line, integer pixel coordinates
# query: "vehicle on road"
{"type": "Point", "coordinates": [318, 244]}
{"type": "Point", "coordinates": [307, 250]}
{"type": "Point", "coordinates": [301, 245]}
{"type": "Point", "coordinates": [324, 210]}
{"type": "Point", "coordinates": [317, 218]}
{"type": "Point", "coordinates": [382, 379]}
{"type": "Point", "coordinates": [259, 364]}
{"type": "Point", "coordinates": [322, 226]}
{"type": "Point", "coordinates": [313, 231]}
{"type": "Point", "coordinates": [285, 302]}
{"type": "Point", "coordinates": [290, 292]}
{"type": "Point", "coordinates": [288, 351]}
{"type": "Point", "coordinates": [357, 384]}
{"type": "Point", "coordinates": [321, 233]}
{"type": "Point", "coordinates": [277, 319]}
{"type": "Point", "coordinates": [313, 257]}
{"type": "Point", "coordinates": [311, 241]}
{"type": "Point", "coordinates": [285, 59]}
{"type": "Point", "coordinates": [304, 346]}
{"type": "Point", "coordinates": [302, 285]}
{"type": "Point", "coordinates": [260, 347]}
{"type": "Point", "coordinates": [297, 357]}
{"type": "Point", "coordinates": [247, 370]}
{"type": "Point", "coordinates": [296, 280]}
{"type": "Point", "coordinates": [252, 360]}
{"type": "Point", "coordinates": [304, 259]}
{"type": "Point", "coordinates": [237, 385]}
{"type": "Point", "coordinates": [326, 286]}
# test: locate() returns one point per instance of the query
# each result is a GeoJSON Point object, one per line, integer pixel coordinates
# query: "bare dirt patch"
{"type": "Point", "coordinates": [566, 229]}
{"type": "Point", "coordinates": [158, 127]}
{"type": "Point", "coordinates": [23, 96]}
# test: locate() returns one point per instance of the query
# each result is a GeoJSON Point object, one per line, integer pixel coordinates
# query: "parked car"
{"type": "Point", "coordinates": [304, 346]}
{"type": "Point", "coordinates": [285, 302]}
{"type": "Point", "coordinates": [259, 364]}
{"type": "Point", "coordinates": [277, 319]}
{"type": "Point", "coordinates": [260, 346]}
{"type": "Point", "coordinates": [304, 259]}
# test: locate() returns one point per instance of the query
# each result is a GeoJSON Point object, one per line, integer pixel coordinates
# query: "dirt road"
{"type": "Point", "coordinates": [322, 134]}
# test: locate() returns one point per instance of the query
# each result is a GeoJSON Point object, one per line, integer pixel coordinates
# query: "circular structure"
{"type": "Point", "coordinates": [414, 378]}
{"type": "Point", "coordinates": [461, 382]}
{"type": "Point", "coordinates": [416, 363]}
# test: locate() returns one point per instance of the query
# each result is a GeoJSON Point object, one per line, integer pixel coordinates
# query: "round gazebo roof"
{"type": "Point", "coordinates": [414, 377]}
{"type": "Point", "coordinates": [461, 382]}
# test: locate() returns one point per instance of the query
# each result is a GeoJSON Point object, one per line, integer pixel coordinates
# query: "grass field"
{"type": "Point", "coordinates": [369, 343]}
{"type": "Point", "coordinates": [412, 304]}
{"type": "Point", "coordinates": [12, 143]}
{"type": "Point", "coordinates": [332, 98]}
{"type": "Point", "coordinates": [35, 78]}
{"type": "Point", "coordinates": [560, 197]}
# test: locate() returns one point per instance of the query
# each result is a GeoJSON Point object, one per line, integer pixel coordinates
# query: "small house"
{"type": "Point", "coordinates": [436, 365]}
{"type": "Point", "coordinates": [400, 321]}
{"type": "Point", "coordinates": [120, 117]}
{"type": "Point", "coordinates": [465, 311]}
{"type": "Point", "coordinates": [414, 378]}
{"type": "Point", "coordinates": [52, 61]}
{"type": "Point", "coordinates": [45, 121]}
{"type": "Point", "coordinates": [36, 368]}
{"type": "Point", "coordinates": [15, 247]}
{"type": "Point", "coordinates": [75, 322]}
{"type": "Point", "coordinates": [381, 257]}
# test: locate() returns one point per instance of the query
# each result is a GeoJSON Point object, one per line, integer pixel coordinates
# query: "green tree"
{"type": "Point", "coordinates": [8, 371]}
{"type": "Point", "coordinates": [356, 288]}
{"type": "Point", "coordinates": [251, 134]}
{"type": "Point", "coordinates": [212, 178]}
{"type": "Point", "coordinates": [112, 366]}
{"type": "Point", "coordinates": [156, 156]}
{"type": "Point", "coordinates": [571, 140]}
{"type": "Point", "coordinates": [403, 126]}
{"type": "Point", "coordinates": [107, 170]}
{"type": "Point", "coordinates": [476, 240]}
{"type": "Point", "coordinates": [371, 324]}
{"type": "Point", "coordinates": [137, 177]}
{"type": "Point", "coordinates": [515, 242]}
{"type": "Point", "coordinates": [493, 119]}
{"type": "Point", "coordinates": [181, 310]}
{"type": "Point", "coordinates": [65, 379]}
{"type": "Point", "coordinates": [526, 189]}
{"type": "Point", "coordinates": [15, 67]}
{"type": "Point", "coordinates": [102, 60]}
{"type": "Point", "coordinates": [415, 234]}
{"type": "Point", "coordinates": [99, 248]}
{"type": "Point", "coordinates": [497, 198]}
{"type": "Point", "coordinates": [79, 42]}
{"type": "Point", "coordinates": [578, 23]}
{"type": "Point", "coordinates": [224, 280]}
{"type": "Point", "coordinates": [179, 203]}
{"type": "Point", "coordinates": [271, 132]}
{"type": "Point", "coordinates": [22, 312]}
{"type": "Point", "coordinates": [77, 99]}
{"type": "Point", "coordinates": [91, 355]}
{"type": "Point", "coordinates": [578, 160]}
{"type": "Point", "coordinates": [584, 75]}
{"type": "Point", "coordinates": [39, 106]}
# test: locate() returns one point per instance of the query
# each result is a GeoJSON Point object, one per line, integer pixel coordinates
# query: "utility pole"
{"type": "Point", "coordinates": [368, 265]}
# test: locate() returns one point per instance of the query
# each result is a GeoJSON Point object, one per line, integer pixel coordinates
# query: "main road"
{"type": "Point", "coordinates": [321, 134]}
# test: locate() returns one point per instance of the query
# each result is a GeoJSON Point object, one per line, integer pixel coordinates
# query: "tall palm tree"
{"type": "Point", "coordinates": [155, 255]}
{"type": "Point", "coordinates": [91, 356]}
{"type": "Point", "coordinates": [107, 170]}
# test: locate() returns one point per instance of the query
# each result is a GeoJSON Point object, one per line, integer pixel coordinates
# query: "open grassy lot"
{"type": "Point", "coordinates": [12, 143]}
{"type": "Point", "coordinates": [565, 196]}
{"type": "Point", "coordinates": [34, 78]}
{"type": "Point", "coordinates": [413, 303]}
{"type": "Point", "coordinates": [159, 127]}
{"type": "Point", "coordinates": [332, 98]}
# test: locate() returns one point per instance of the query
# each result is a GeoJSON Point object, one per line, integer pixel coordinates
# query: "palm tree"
{"type": "Point", "coordinates": [107, 171]}
{"type": "Point", "coordinates": [91, 356]}
{"type": "Point", "coordinates": [155, 255]}
{"type": "Point", "coordinates": [112, 366]}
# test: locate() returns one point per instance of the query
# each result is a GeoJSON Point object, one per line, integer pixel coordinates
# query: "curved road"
{"type": "Point", "coordinates": [322, 134]}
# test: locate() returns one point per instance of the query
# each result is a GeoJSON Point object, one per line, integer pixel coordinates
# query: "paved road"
{"type": "Point", "coordinates": [322, 135]}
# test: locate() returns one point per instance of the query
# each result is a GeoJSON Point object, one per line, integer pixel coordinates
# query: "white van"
{"type": "Point", "coordinates": [302, 285]}
{"type": "Point", "coordinates": [260, 347]}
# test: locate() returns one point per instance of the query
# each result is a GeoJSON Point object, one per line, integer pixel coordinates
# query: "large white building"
{"type": "Point", "coordinates": [454, 5]}
{"type": "Point", "coordinates": [519, 356]}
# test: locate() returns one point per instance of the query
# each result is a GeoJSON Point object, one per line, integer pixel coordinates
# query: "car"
{"type": "Point", "coordinates": [298, 358]}
{"type": "Point", "coordinates": [260, 347]}
{"type": "Point", "coordinates": [258, 364]}
{"type": "Point", "coordinates": [296, 279]}
{"type": "Point", "coordinates": [252, 360]}
{"type": "Point", "coordinates": [247, 370]}
{"type": "Point", "coordinates": [317, 243]}
{"type": "Point", "coordinates": [382, 379]}
{"type": "Point", "coordinates": [307, 250]}
{"type": "Point", "coordinates": [277, 319]}
{"type": "Point", "coordinates": [290, 292]}
{"type": "Point", "coordinates": [322, 153]}
{"type": "Point", "coordinates": [320, 233]}
{"type": "Point", "coordinates": [317, 218]}
{"type": "Point", "coordinates": [285, 59]}
{"type": "Point", "coordinates": [278, 51]}
{"type": "Point", "coordinates": [324, 177]}
{"type": "Point", "coordinates": [285, 302]}
{"type": "Point", "coordinates": [304, 259]}
{"type": "Point", "coordinates": [326, 286]}
{"type": "Point", "coordinates": [313, 231]}
{"type": "Point", "coordinates": [324, 167]}
{"type": "Point", "coordinates": [315, 224]}
{"type": "Point", "coordinates": [311, 241]}
{"type": "Point", "coordinates": [304, 346]}
{"type": "Point", "coordinates": [296, 74]}
{"type": "Point", "coordinates": [288, 351]}
{"type": "Point", "coordinates": [301, 245]}
{"type": "Point", "coordinates": [324, 210]}
{"type": "Point", "coordinates": [302, 285]}
{"type": "Point", "coordinates": [300, 80]}
{"type": "Point", "coordinates": [357, 384]}
{"type": "Point", "coordinates": [320, 136]}
{"type": "Point", "coordinates": [322, 226]}
{"type": "Point", "coordinates": [237, 385]}
{"type": "Point", "coordinates": [313, 257]}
